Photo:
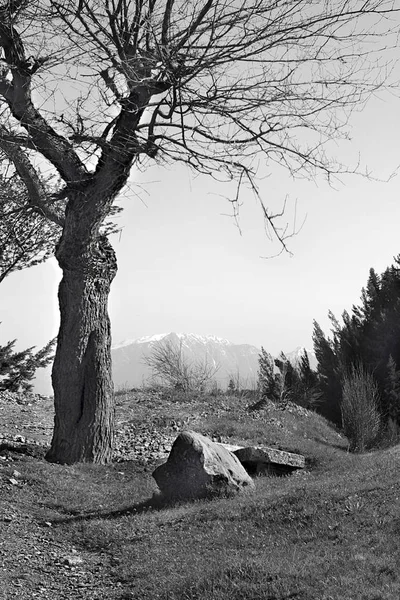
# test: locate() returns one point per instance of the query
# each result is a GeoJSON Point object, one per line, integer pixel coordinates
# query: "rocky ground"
{"type": "Point", "coordinates": [146, 423]}
{"type": "Point", "coordinates": [26, 424]}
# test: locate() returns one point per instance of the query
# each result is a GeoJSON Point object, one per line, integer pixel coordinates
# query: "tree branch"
{"type": "Point", "coordinates": [17, 94]}
{"type": "Point", "coordinates": [38, 196]}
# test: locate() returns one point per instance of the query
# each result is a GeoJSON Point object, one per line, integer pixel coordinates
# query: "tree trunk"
{"type": "Point", "coordinates": [81, 376]}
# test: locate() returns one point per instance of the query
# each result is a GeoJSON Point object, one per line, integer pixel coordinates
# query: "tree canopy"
{"type": "Point", "coordinates": [370, 337]}
{"type": "Point", "coordinates": [99, 84]}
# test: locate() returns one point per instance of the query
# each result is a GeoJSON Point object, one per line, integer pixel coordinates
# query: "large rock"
{"type": "Point", "coordinates": [197, 467]}
{"type": "Point", "coordinates": [262, 460]}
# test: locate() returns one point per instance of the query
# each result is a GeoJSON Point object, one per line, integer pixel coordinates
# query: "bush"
{"type": "Point", "coordinates": [360, 415]}
{"type": "Point", "coordinates": [174, 369]}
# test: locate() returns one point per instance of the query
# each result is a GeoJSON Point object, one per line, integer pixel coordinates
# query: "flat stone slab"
{"type": "Point", "coordinates": [260, 459]}
{"type": "Point", "coordinates": [230, 447]}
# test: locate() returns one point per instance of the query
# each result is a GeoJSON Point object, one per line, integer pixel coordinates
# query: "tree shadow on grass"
{"type": "Point", "coordinates": [156, 503]}
{"type": "Point", "coordinates": [342, 446]}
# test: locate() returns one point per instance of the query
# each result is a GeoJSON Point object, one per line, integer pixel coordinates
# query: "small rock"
{"type": "Point", "coordinates": [72, 560]}
{"type": "Point", "coordinates": [13, 481]}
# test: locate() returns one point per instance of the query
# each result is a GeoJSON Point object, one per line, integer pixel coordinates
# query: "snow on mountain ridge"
{"type": "Point", "coordinates": [130, 368]}
{"type": "Point", "coordinates": [297, 353]}
{"type": "Point", "coordinates": [183, 337]}
{"type": "Point", "coordinates": [150, 338]}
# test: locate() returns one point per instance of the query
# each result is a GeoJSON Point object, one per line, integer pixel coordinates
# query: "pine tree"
{"type": "Point", "coordinates": [287, 380]}
{"type": "Point", "coordinates": [369, 336]}
{"type": "Point", "coordinates": [328, 376]}
{"type": "Point", "coordinates": [231, 387]}
{"type": "Point", "coordinates": [392, 391]}
{"type": "Point", "coordinates": [309, 394]}
{"type": "Point", "coordinates": [370, 297]}
{"type": "Point", "coordinates": [17, 369]}
{"type": "Point", "coordinates": [267, 382]}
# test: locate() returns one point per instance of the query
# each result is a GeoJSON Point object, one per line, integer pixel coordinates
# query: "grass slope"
{"type": "Point", "coordinates": [100, 532]}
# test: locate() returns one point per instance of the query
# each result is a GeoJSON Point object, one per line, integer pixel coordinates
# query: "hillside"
{"type": "Point", "coordinates": [99, 532]}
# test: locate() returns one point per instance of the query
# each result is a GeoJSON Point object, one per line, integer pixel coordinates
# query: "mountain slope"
{"type": "Point", "coordinates": [294, 357]}
{"type": "Point", "coordinates": [236, 361]}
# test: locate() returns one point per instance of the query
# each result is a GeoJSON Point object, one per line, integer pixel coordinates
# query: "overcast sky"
{"type": "Point", "coordinates": [185, 267]}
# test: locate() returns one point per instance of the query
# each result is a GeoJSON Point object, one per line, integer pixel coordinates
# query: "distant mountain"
{"type": "Point", "coordinates": [235, 360]}
{"type": "Point", "coordinates": [295, 355]}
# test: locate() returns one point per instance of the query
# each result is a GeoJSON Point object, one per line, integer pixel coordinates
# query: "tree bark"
{"type": "Point", "coordinates": [82, 376]}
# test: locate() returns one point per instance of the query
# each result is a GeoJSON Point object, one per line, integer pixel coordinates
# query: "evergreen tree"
{"type": "Point", "coordinates": [370, 297]}
{"type": "Point", "coordinates": [309, 394]}
{"type": "Point", "coordinates": [392, 391]}
{"type": "Point", "coordinates": [231, 387]}
{"type": "Point", "coordinates": [369, 336]}
{"type": "Point", "coordinates": [267, 381]}
{"type": "Point", "coordinates": [281, 381]}
{"type": "Point", "coordinates": [17, 369]}
{"type": "Point", "coordinates": [328, 376]}
{"type": "Point", "coordinates": [287, 380]}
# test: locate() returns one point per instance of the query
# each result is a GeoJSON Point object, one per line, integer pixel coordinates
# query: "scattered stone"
{"type": "Point", "coordinates": [197, 467]}
{"type": "Point", "coordinates": [6, 519]}
{"type": "Point", "coordinates": [138, 443]}
{"type": "Point", "coordinates": [72, 560]}
{"type": "Point", "coordinates": [21, 398]}
{"type": "Point", "coordinates": [262, 460]}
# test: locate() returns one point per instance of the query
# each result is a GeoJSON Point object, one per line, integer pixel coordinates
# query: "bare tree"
{"type": "Point", "coordinates": [90, 88]}
{"type": "Point", "coordinates": [170, 365]}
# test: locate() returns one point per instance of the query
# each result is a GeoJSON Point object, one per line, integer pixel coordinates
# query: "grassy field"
{"type": "Point", "coordinates": [331, 532]}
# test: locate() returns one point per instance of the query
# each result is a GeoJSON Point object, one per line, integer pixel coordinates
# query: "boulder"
{"type": "Point", "coordinates": [259, 460]}
{"type": "Point", "coordinates": [197, 468]}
